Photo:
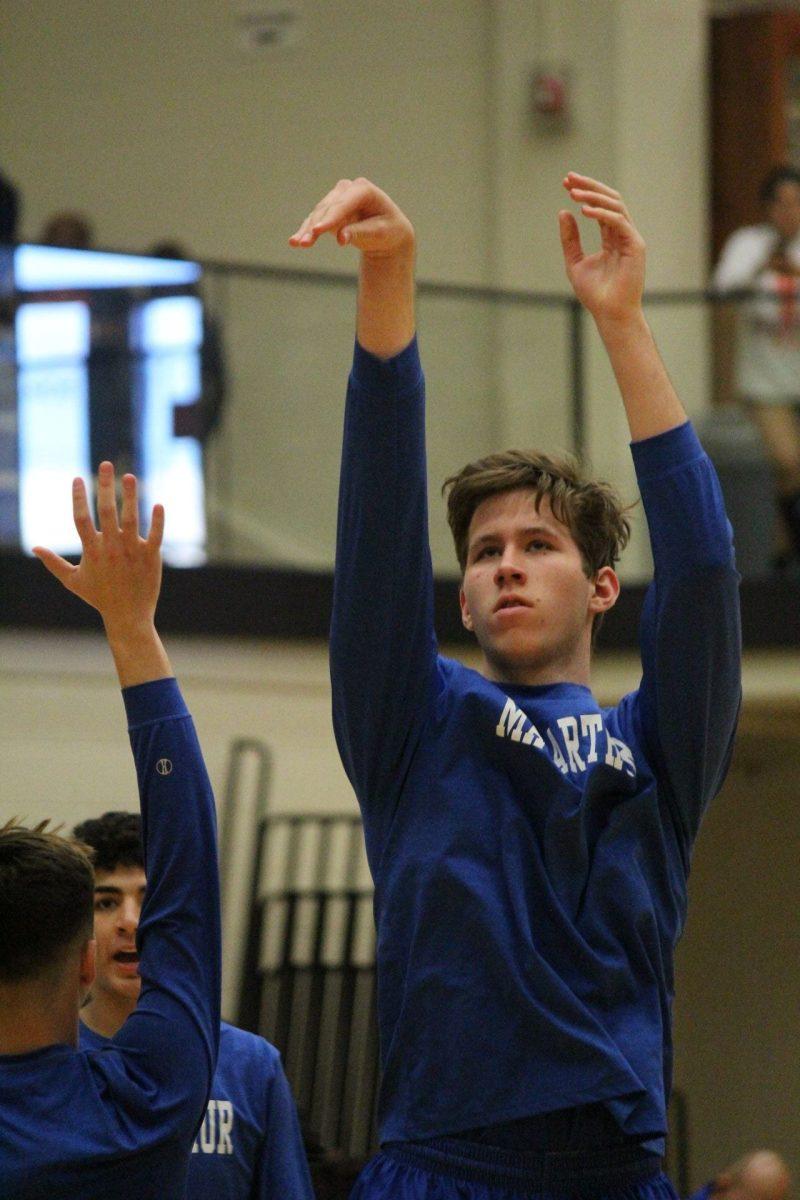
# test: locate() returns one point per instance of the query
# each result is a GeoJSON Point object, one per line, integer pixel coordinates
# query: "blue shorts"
{"type": "Point", "coordinates": [452, 1169]}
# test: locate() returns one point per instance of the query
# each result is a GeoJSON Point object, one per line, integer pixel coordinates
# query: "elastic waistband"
{"type": "Point", "coordinates": [577, 1172]}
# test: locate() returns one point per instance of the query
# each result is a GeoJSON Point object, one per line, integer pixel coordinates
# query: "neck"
{"type": "Point", "coordinates": [106, 1014]}
{"type": "Point", "coordinates": [574, 668]}
{"type": "Point", "coordinates": [35, 1014]}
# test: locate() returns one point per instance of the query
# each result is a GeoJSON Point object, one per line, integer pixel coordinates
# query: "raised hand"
{"type": "Point", "coordinates": [120, 572]}
{"type": "Point", "coordinates": [358, 214]}
{"type": "Point", "coordinates": [609, 283]}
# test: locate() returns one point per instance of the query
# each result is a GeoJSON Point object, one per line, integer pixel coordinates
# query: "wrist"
{"type": "Point", "coordinates": [622, 327]}
{"type": "Point", "coordinates": [124, 629]}
{"type": "Point", "coordinates": [400, 255]}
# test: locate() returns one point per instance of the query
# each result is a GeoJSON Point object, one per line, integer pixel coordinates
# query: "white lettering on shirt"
{"type": "Point", "coordinates": [569, 730]}
{"type": "Point", "coordinates": [511, 724]}
{"type": "Point", "coordinates": [215, 1135]}
{"type": "Point", "coordinates": [591, 723]}
{"type": "Point", "coordinates": [558, 757]}
{"type": "Point", "coordinates": [618, 755]}
{"type": "Point", "coordinates": [567, 753]}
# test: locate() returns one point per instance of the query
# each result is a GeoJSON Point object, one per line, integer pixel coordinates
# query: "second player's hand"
{"type": "Point", "coordinates": [357, 213]}
{"type": "Point", "coordinates": [609, 283]}
{"type": "Point", "coordinates": [120, 572]}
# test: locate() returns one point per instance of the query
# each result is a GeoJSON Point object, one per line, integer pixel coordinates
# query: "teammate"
{"type": "Point", "coordinates": [249, 1146]}
{"type": "Point", "coordinates": [118, 1121]}
{"type": "Point", "coordinates": [530, 850]}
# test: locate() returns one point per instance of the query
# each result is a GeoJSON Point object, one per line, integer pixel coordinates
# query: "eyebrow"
{"type": "Point", "coordinates": [107, 890]}
{"type": "Point", "coordinates": [531, 529]}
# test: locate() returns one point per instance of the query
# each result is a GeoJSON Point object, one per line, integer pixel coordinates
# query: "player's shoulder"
{"type": "Point", "coordinates": [240, 1046]}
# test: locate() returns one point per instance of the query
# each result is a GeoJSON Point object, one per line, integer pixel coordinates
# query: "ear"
{"type": "Point", "coordinates": [88, 965]}
{"type": "Point", "coordinates": [466, 616]}
{"type": "Point", "coordinates": [605, 590]}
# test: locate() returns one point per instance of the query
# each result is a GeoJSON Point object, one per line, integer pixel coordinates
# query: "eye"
{"type": "Point", "coordinates": [485, 552]}
{"type": "Point", "coordinates": [104, 904]}
{"type": "Point", "coordinates": [538, 544]}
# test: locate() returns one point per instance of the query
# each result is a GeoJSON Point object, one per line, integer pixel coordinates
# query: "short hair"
{"type": "Point", "coordinates": [773, 180]}
{"type": "Point", "coordinates": [591, 510]}
{"type": "Point", "coordinates": [46, 899]}
{"type": "Point", "coordinates": [115, 840]}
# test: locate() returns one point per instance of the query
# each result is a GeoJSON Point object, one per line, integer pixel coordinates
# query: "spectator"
{"type": "Point", "coordinates": [70, 230]}
{"type": "Point", "coordinates": [764, 261]}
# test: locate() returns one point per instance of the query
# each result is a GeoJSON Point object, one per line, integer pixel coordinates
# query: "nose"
{"type": "Point", "coordinates": [509, 568]}
{"type": "Point", "coordinates": [128, 916]}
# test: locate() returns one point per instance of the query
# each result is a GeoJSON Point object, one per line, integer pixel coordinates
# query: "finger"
{"type": "Point", "coordinates": [130, 508]}
{"type": "Point", "coordinates": [573, 179]}
{"type": "Point", "coordinates": [570, 238]}
{"type": "Point", "coordinates": [598, 200]}
{"type": "Point", "coordinates": [363, 234]}
{"type": "Point", "coordinates": [304, 234]}
{"type": "Point", "coordinates": [156, 534]}
{"type": "Point", "coordinates": [81, 514]}
{"type": "Point", "coordinates": [106, 501]}
{"type": "Point", "coordinates": [616, 220]}
{"type": "Point", "coordinates": [56, 565]}
{"type": "Point", "coordinates": [332, 213]}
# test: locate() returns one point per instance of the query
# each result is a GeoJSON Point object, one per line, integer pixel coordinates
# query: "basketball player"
{"type": "Point", "coordinates": [249, 1146]}
{"type": "Point", "coordinates": [530, 850]}
{"type": "Point", "coordinates": [119, 1121]}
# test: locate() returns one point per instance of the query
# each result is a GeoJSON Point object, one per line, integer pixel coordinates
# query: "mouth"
{"type": "Point", "coordinates": [510, 602]}
{"type": "Point", "coordinates": [128, 960]}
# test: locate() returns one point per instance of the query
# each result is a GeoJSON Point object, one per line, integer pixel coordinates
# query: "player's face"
{"type": "Point", "coordinates": [783, 210]}
{"type": "Point", "coordinates": [118, 897]}
{"type": "Point", "coordinates": [525, 593]}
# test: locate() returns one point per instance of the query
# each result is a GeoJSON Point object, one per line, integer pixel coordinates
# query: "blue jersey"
{"type": "Point", "coordinates": [249, 1146]}
{"type": "Point", "coordinates": [530, 850]}
{"type": "Point", "coordinates": [120, 1121]}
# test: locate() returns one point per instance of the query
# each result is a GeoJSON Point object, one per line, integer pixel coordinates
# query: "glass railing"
{"type": "Point", "coordinates": [227, 396]}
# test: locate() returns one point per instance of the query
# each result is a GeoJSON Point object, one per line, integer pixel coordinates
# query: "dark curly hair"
{"type": "Point", "coordinates": [115, 840]}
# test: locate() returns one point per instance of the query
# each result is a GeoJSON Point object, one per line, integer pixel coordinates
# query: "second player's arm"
{"type": "Point", "coordinates": [382, 644]}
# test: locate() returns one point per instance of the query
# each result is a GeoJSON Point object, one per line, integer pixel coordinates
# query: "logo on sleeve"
{"type": "Point", "coordinates": [575, 743]}
{"type": "Point", "coordinates": [164, 766]}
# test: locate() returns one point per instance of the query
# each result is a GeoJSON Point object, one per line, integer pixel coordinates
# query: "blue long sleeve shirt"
{"type": "Point", "coordinates": [249, 1146]}
{"type": "Point", "coordinates": [120, 1121]}
{"type": "Point", "coordinates": [530, 850]}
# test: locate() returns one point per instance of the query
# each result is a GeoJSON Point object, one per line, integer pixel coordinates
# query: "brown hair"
{"type": "Point", "coordinates": [46, 899]}
{"type": "Point", "coordinates": [591, 510]}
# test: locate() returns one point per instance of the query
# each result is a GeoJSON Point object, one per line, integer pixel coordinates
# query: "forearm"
{"type": "Point", "coordinates": [651, 402]}
{"type": "Point", "coordinates": [386, 302]}
{"type": "Point", "coordinates": [138, 653]}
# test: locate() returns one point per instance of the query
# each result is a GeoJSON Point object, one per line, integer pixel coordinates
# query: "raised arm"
{"type": "Point", "coordinates": [382, 645]}
{"type": "Point", "coordinates": [610, 284]}
{"type": "Point", "coordinates": [168, 1047]}
{"type": "Point", "coordinates": [690, 625]}
{"type": "Point", "coordinates": [359, 214]}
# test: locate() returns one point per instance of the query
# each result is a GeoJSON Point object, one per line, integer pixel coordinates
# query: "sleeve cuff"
{"type": "Point", "coordinates": [158, 700]}
{"type": "Point", "coordinates": [663, 453]}
{"type": "Point", "coordinates": [401, 373]}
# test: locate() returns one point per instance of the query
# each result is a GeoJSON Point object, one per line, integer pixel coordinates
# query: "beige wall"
{"type": "Point", "coordinates": [154, 120]}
